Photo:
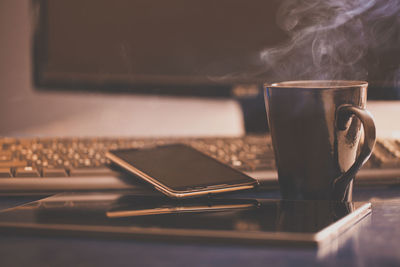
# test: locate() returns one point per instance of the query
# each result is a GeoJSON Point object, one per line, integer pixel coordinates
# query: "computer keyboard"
{"type": "Point", "coordinates": [60, 164]}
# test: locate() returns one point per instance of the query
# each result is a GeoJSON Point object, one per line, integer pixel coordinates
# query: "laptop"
{"type": "Point", "coordinates": [78, 78]}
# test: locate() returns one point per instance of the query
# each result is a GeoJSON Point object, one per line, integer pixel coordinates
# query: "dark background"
{"type": "Point", "coordinates": [100, 63]}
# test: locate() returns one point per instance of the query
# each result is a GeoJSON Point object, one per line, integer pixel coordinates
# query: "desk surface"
{"type": "Point", "coordinates": [375, 241]}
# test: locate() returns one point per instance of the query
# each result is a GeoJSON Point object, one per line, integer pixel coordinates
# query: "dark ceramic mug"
{"type": "Point", "coordinates": [316, 130]}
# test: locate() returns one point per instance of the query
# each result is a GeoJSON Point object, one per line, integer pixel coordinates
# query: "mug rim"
{"type": "Point", "coordinates": [317, 84]}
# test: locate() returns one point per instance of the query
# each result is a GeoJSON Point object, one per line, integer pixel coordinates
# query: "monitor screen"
{"type": "Point", "coordinates": [136, 44]}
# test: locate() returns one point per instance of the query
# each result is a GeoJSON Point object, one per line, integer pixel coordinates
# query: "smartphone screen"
{"type": "Point", "coordinates": [179, 167]}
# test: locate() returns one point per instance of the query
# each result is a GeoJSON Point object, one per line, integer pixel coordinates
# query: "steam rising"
{"type": "Point", "coordinates": [329, 39]}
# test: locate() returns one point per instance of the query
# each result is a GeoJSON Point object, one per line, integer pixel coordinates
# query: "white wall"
{"type": "Point", "coordinates": [24, 111]}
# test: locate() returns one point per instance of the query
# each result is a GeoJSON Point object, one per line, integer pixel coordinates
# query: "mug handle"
{"type": "Point", "coordinates": [343, 114]}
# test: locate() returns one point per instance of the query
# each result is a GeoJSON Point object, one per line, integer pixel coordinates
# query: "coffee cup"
{"type": "Point", "coordinates": [317, 136]}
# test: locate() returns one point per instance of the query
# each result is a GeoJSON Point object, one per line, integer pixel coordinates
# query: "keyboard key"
{"type": "Point", "coordinates": [26, 172]}
{"type": "Point", "coordinates": [102, 171]}
{"type": "Point", "coordinates": [54, 172]}
{"type": "Point", "coordinates": [7, 142]}
{"type": "Point", "coordinates": [5, 173]}
{"type": "Point", "coordinates": [392, 147]}
{"type": "Point", "coordinates": [5, 156]}
{"type": "Point", "coordinates": [383, 158]}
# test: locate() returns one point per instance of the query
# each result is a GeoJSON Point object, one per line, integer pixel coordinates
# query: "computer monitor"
{"type": "Point", "coordinates": [152, 45]}
{"type": "Point", "coordinates": [196, 47]}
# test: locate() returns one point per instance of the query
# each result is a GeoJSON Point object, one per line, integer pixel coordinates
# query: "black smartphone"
{"type": "Point", "coordinates": [180, 171]}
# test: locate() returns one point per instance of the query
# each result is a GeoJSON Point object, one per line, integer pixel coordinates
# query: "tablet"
{"type": "Point", "coordinates": [255, 221]}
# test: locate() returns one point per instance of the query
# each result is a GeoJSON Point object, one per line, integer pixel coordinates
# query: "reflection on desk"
{"type": "Point", "coordinates": [372, 242]}
{"type": "Point", "coordinates": [253, 221]}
